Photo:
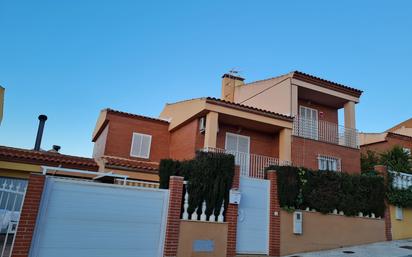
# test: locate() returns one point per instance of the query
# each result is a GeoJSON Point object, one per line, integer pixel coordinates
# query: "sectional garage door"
{"type": "Point", "coordinates": [88, 219]}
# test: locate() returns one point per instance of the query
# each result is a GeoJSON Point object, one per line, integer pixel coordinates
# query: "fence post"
{"type": "Point", "coordinates": [274, 215]}
{"type": "Point", "coordinates": [173, 216]}
{"type": "Point", "coordinates": [28, 216]}
{"type": "Point", "coordinates": [231, 218]}
{"type": "Point", "coordinates": [383, 171]}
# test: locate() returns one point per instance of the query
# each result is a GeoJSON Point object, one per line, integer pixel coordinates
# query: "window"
{"type": "Point", "coordinates": [399, 213]}
{"type": "Point", "coordinates": [329, 163]}
{"type": "Point", "coordinates": [308, 122]}
{"type": "Point", "coordinates": [141, 145]}
{"type": "Point", "coordinates": [407, 150]}
{"type": "Point", "coordinates": [239, 146]}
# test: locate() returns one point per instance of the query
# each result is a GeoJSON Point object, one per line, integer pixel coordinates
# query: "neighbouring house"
{"type": "Point", "coordinates": [288, 119]}
{"type": "Point", "coordinates": [400, 134]}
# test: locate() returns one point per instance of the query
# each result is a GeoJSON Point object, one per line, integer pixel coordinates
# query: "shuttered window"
{"type": "Point", "coordinates": [141, 145]}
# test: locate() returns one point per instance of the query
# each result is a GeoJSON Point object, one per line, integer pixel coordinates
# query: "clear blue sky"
{"type": "Point", "coordinates": [70, 59]}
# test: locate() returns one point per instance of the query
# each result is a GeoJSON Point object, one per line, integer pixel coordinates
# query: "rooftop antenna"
{"type": "Point", "coordinates": [234, 71]}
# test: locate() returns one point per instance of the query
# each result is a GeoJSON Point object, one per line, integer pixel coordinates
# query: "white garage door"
{"type": "Point", "coordinates": [87, 219]}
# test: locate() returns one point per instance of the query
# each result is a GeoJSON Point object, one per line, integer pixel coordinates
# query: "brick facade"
{"type": "Point", "coordinates": [274, 220]}
{"type": "Point", "coordinates": [28, 216]}
{"type": "Point", "coordinates": [305, 153]}
{"type": "Point", "coordinates": [390, 141]}
{"type": "Point", "coordinates": [261, 143]}
{"type": "Point", "coordinates": [325, 113]}
{"type": "Point", "coordinates": [173, 216]}
{"type": "Point", "coordinates": [184, 141]}
{"type": "Point", "coordinates": [119, 137]}
{"type": "Point", "coordinates": [231, 219]}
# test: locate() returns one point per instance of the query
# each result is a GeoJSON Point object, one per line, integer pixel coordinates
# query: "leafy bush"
{"type": "Point", "coordinates": [369, 160]}
{"type": "Point", "coordinates": [327, 190]}
{"type": "Point", "coordinates": [396, 159]}
{"type": "Point", "coordinates": [209, 177]}
{"type": "Point", "coordinates": [400, 197]}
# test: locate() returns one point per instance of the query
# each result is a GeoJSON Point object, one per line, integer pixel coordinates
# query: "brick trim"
{"type": "Point", "coordinates": [274, 221]}
{"type": "Point", "coordinates": [173, 216]}
{"type": "Point", "coordinates": [231, 219]}
{"type": "Point", "coordinates": [383, 171]}
{"type": "Point", "coordinates": [28, 216]}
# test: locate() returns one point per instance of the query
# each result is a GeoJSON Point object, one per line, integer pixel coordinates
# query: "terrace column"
{"type": "Point", "coordinates": [212, 127]}
{"type": "Point", "coordinates": [349, 109]}
{"type": "Point", "coordinates": [285, 145]}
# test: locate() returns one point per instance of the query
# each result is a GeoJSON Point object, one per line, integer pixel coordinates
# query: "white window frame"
{"type": "Point", "coordinates": [142, 136]}
{"type": "Point", "coordinates": [309, 128]}
{"type": "Point", "coordinates": [329, 164]}
{"type": "Point", "coordinates": [241, 158]}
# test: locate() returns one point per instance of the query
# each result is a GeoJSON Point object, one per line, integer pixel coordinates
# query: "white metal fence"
{"type": "Point", "coordinates": [325, 131]}
{"type": "Point", "coordinates": [12, 192]}
{"type": "Point", "coordinates": [401, 180]}
{"type": "Point", "coordinates": [251, 165]}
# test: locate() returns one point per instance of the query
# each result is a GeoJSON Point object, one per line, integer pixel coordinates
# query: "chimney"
{"type": "Point", "coordinates": [229, 83]}
{"type": "Point", "coordinates": [42, 120]}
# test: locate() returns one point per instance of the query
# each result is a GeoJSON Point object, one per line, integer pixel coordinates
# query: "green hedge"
{"type": "Point", "coordinates": [209, 177]}
{"type": "Point", "coordinates": [398, 197]}
{"type": "Point", "coordinates": [325, 191]}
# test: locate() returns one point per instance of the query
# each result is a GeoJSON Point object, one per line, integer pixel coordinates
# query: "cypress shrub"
{"type": "Point", "coordinates": [209, 177]}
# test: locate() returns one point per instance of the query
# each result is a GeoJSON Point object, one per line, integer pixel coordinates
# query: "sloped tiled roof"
{"type": "Point", "coordinates": [45, 158]}
{"type": "Point", "coordinates": [135, 115]}
{"type": "Point", "coordinates": [317, 81]}
{"type": "Point", "coordinates": [250, 108]}
{"type": "Point", "coordinates": [132, 164]}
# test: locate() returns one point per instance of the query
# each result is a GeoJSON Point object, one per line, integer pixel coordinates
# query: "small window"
{"type": "Point", "coordinates": [407, 150]}
{"type": "Point", "coordinates": [399, 213]}
{"type": "Point", "coordinates": [329, 163]}
{"type": "Point", "coordinates": [141, 145]}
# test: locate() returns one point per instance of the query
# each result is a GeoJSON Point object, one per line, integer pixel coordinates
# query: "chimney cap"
{"type": "Point", "coordinates": [42, 117]}
{"type": "Point", "coordinates": [227, 75]}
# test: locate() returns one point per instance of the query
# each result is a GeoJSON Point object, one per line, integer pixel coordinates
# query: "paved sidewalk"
{"type": "Point", "coordinates": [384, 249]}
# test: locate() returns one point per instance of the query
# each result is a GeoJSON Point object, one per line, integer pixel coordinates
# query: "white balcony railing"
{"type": "Point", "coordinates": [401, 180]}
{"type": "Point", "coordinates": [251, 165]}
{"type": "Point", "coordinates": [326, 132]}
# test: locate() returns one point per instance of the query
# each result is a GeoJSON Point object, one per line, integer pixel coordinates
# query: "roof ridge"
{"type": "Point", "coordinates": [135, 115]}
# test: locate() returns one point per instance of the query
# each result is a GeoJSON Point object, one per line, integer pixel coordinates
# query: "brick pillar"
{"type": "Point", "coordinates": [28, 216]}
{"type": "Point", "coordinates": [274, 220]}
{"type": "Point", "coordinates": [383, 171]}
{"type": "Point", "coordinates": [173, 216]}
{"type": "Point", "coordinates": [231, 219]}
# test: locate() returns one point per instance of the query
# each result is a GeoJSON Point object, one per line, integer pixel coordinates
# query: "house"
{"type": "Point", "coordinates": [292, 118]}
{"type": "Point", "coordinates": [400, 134]}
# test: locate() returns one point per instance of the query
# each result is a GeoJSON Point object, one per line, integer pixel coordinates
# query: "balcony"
{"type": "Point", "coordinates": [326, 132]}
{"type": "Point", "coordinates": [251, 165]}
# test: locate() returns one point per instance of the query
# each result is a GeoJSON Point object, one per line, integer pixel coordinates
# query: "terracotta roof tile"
{"type": "Point", "coordinates": [262, 111]}
{"type": "Point", "coordinates": [129, 163]}
{"type": "Point", "coordinates": [45, 158]}
{"type": "Point", "coordinates": [135, 115]}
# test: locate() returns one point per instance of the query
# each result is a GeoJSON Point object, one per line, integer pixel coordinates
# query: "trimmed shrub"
{"type": "Point", "coordinates": [328, 190]}
{"type": "Point", "coordinates": [209, 177]}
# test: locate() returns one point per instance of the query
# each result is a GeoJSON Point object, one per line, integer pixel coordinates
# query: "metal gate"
{"type": "Point", "coordinates": [12, 192]}
{"type": "Point", "coordinates": [84, 218]}
{"type": "Point", "coordinates": [253, 216]}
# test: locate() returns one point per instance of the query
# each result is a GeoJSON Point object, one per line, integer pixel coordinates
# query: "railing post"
{"type": "Point", "coordinates": [173, 216]}
{"type": "Point", "coordinates": [231, 219]}
{"type": "Point", "coordinates": [274, 215]}
{"type": "Point", "coordinates": [382, 170]}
